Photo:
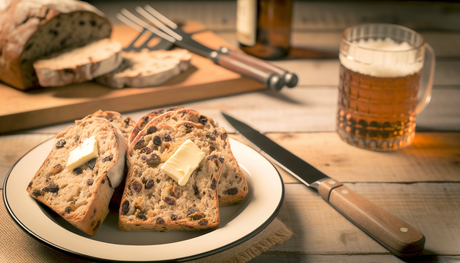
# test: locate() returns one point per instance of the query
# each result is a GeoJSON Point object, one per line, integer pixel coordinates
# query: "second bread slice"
{"type": "Point", "coordinates": [79, 64]}
{"type": "Point", "coordinates": [152, 200]}
{"type": "Point", "coordinates": [144, 69]}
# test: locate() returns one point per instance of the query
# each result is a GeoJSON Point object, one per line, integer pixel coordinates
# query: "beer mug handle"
{"type": "Point", "coordinates": [424, 93]}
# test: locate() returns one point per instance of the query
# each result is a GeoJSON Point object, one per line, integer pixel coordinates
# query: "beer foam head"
{"type": "Point", "coordinates": [382, 58]}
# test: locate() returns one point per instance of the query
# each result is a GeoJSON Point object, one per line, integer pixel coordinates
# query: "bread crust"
{"type": "Point", "coordinates": [142, 122]}
{"type": "Point", "coordinates": [23, 38]}
{"type": "Point", "coordinates": [76, 65]}
{"type": "Point", "coordinates": [126, 125]}
{"type": "Point", "coordinates": [84, 204]}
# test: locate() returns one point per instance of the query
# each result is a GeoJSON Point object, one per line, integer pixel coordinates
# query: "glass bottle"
{"type": "Point", "coordinates": [264, 27]}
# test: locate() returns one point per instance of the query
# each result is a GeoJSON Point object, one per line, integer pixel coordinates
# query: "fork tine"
{"type": "Point", "coordinates": [160, 17]}
{"type": "Point", "coordinates": [140, 22]}
{"type": "Point", "coordinates": [157, 22]}
{"type": "Point", "coordinates": [130, 23]}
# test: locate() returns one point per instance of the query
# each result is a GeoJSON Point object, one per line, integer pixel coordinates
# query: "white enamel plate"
{"type": "Point", "coordinates": [238, 223]}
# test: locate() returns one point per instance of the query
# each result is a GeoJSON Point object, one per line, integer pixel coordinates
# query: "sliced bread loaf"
{"type": "Point", "coordinates": [144, 69]}
{"type": "Point", "coordinates": [31, 29]}
{"type": "Point", "coordinates": [152, 200]}
{"type": "Point", "coordinates": [81, 195]}
{"type": "Point", "coordinates": [232, 187]}
{"type": "Point", "coordinates": [79, 64]}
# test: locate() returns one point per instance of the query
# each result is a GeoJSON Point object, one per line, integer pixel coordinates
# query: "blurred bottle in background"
{"type": "Point", "coordinates": [264, 27]}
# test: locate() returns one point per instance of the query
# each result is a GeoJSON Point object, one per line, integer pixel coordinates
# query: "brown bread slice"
{"type": "Point", "coordinates": [154, 201]}
{"type": "Point", "coordinates": [31, 29]}
{"type": "Point", "coordinates": [81, 196]}
{"type": "Point", "coordinates": [79, 64]}
{"type": "Point", "coordinates": [232, 187]}
{"type": "Point", "coordinates": [147, 69]}
{"type": "Point", "coordinates": [125, 126]}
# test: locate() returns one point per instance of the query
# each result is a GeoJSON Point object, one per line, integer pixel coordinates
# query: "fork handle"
{"type": "Point", "coordinates": [290, 79]}
{"type": "Point", "coordinates": [269, 79]}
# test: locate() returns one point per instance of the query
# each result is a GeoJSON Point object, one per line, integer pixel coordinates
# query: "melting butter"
{"type": "Point", "coordinates": [183, 162]}
{"type": "Point", "coordinates": [83, 153]}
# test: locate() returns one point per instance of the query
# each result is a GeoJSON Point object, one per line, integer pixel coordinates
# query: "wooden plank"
{"type": "Point", "coordinates": [302, 109]}
{"type": "Point", "coordinates": [347, 258]}
{"type": "Point", "coordinates": [22, 110]}
{"type": "Point", "coordinates": [14, 147]}
{"type": "Point", "coordinates": [313, 109]}
{"type": "Point", "coordinates": [432, 208]}
{"type": "Point", "coordinates": [433, 157]}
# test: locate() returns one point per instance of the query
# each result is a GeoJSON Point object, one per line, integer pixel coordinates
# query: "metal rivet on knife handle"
{"type": "Point", "coordinates": [326, 186]}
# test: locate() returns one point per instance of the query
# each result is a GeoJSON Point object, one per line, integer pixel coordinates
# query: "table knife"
{"type": "Point", "coordinates": [394, 234]}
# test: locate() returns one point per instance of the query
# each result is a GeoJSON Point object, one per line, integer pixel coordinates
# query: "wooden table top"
{"type": "Point", "coordinates": [419, 184]}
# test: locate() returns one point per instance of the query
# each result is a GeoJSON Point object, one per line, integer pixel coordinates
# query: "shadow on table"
{"type": "Point", "coordinates": [305, 53]}
{"type": "Point", "coordinates": [428, 258]}
{"type": "Point", "coordinates": [283, 97]}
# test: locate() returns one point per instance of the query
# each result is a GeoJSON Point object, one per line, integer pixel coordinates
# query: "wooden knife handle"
{"type": "Point", "coordinates": [270, 79]}
{"type": "Point", "coordinates": [397, 236]}
{"type": "Point", "coordinates": [290, 79]}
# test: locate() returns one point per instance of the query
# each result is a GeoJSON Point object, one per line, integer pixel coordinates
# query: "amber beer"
{"type": "Point", "coordinates": [379, 87]}
{"type": "Point", "coordinates": [377, 113]}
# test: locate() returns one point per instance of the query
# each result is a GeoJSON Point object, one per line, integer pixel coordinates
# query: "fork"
{"type": "Point", "coordinates": [163, 44]}
{"type": "Point", "coordinates": [246, 65]}
{"type": "Point", "coordinates": [157, 18]}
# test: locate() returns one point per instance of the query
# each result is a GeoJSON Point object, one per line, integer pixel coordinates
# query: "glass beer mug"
{"type": "Point", "coordinates": [382, 88]}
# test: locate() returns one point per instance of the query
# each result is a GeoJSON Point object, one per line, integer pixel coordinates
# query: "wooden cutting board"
{"type": "Point", "coordinates": [23, 110]}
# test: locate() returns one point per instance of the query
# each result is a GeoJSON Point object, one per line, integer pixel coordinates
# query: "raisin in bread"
{"type": "Point", "coordinates": [76, 65]}
{"type": "Point", "coordinates": [126, 125]}
{"type": "Point", "coordinates": [81, 196]}
{"type": "Point", "coordinates": [147, 69]}
{"type": "Point", "coordinates": [145, 119]}
{"type": "Point", "coordinates": [232, 186]}
{"type": "Point", "coordinates": [152, 200]}
{"type": "Point", "coordinates": [31, 29]}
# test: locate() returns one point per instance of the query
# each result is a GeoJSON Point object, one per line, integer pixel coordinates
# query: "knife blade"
{"type": "Point", "coordinates": [399, 237]}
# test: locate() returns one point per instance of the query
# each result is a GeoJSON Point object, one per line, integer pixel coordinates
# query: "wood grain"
{"type": "Point", "coordinates": [347, 258]}
{"type": "Point", "coordinates": [14, 147]}
{"type": "Point", "coordinates": [433, 157]}
{"type": "Point", "coordinates": [432, 208]}
{"type": "Point", "coordinates": [399, 237]}
{"type": "Point", "coordinates": [313, 109]}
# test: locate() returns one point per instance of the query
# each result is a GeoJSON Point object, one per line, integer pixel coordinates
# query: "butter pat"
{"type": "Point", "coordinates": [183, 162]}
{"type": "Point", "coordinates": [83, 153]}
